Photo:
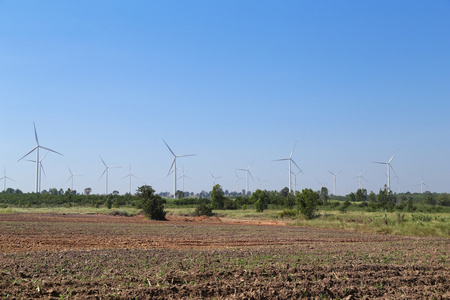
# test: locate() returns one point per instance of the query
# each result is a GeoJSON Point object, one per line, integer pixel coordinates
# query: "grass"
{"type": "Point", "coordinates": [395, 223]}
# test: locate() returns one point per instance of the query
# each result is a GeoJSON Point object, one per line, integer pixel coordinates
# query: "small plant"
{"type": "Point", "coordinates": [287, 213]}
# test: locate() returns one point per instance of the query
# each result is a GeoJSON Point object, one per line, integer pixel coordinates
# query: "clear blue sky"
{"type": "Point", "coordinates": [230, 81]}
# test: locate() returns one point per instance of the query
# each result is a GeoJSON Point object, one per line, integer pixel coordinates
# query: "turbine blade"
{"type": "Point", "coordinates": [171, 166]}
{"type": "Point", "coordinates": [169, 148]}
{"type": "Point", "coordinates": [103, 173]}
{"type": "Point", "coordinates": [292, 153]}
{"type": "Point", "coordinates": [28, 153]}
{"type": "Point", "coordinates": [184, 155]}
{"type": "Point", "coordinates": [379, 162]}
{"type": "Point", "coordinates": [250, 175]}
{"type": "Point", "coordinates": [50, 150]}
{"type": "Point", "coordinates": [43, 171]}
{"type": "Point", "coordinates": [250, 165]}
{"type": "Point", "coordinates": [281, 159]}
{"type": "Point", "coordinates": [393, 156]}
{"type": "Point", "coordinates": [296, 165]}
{"type": "Point", "coordinates": [331, 173]}
{"type": "Point", "coordinates": [103, 162]}
{"type": "Point", "coordinates": [35, 134]}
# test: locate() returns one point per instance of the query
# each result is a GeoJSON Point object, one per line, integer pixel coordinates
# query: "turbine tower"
{"type": "Point", "coordinates": [237, 182]}
{"type": "Point", "coordinates": [389, 167]}
{"type": "Point", "coordinates": [214, 178]}
{"type": "Point", "coordinates": [130, 175]}
{"type": "Point", "coordinates": [182, 177]}
{"type": "Point", "coordinates": [4, 178]}
{"type": "Point", "coordinates": [105, 172]}
{"type": "Point", "coordinates": [71, 178]}
{"type": "Point", "coordinates": [41, 169]}
{"type": "Point", "coordinates": [174, 166]}
{"type": "Point", "coordinates": [290, 169]}
{"type": "Point", "coordinates": [421, 185]}
{"type": "Point", "coordinates": [295, 180]}
{"type": "Point", "coordinates": [247, 173]}
{"type": "Point", "coordinates": [359, 179]}
{"type": "Point", "coordinates": [334, 180]}
{"type": "Point", "coordinates": [38, 189]}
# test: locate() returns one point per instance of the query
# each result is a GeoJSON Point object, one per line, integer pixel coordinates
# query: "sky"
{"type": "Point", "coordinates": [347, 82]}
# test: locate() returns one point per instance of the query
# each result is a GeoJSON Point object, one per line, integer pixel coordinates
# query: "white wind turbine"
{"type": "Point", "coordinates": [41, 169]}
{"type": "Point", "coordinates": [389, 167]}
{"type": "Point", "coordinates": [360, 179]}
{"type": "Point", "coordinates": [247, 173]}
{"type": "Point", "coordinates": [421, 185]}
{"type": "Point", "coordinates": [182, 177]}
{"type": "Point", "coordinates": [261, 182]}
{"type": "Point", "coordinates": [290, 169]}
{"type": "Point", "coordinates": [174, 166]}
{"type": "Point", "coordinates": [237, 182]}
{"type": "Point", "coordinates": [130, 175]}
{"type": "Point", "coordinates": [334, 180]}
{"type": "Point", "coordinates": [295, 180]}
{"type": "Point", "coordinates": [37, 148]}
{"type": "Point", "coordinates": [4, 178]}
{"type": "Point", "coordinates": [71, 178]}
{"type": "Point", "coordinates": [105, 172]}
{"type": "Point", "coordinates": [214, 178]}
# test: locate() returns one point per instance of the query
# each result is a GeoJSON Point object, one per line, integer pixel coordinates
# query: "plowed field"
{"type": "Point", "coordinates": [110, 257]}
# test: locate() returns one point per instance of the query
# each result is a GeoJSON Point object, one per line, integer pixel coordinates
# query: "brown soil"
{"type": "Point", "coordinates": [53, 256]}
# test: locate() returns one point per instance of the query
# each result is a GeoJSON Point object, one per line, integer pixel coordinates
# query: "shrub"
{"type": "Point", "coordinates": [288, 213]}
{"type": "Point", "coordinates": [152, 205]}
{"type": "Point", "coordinates": [203, 209]}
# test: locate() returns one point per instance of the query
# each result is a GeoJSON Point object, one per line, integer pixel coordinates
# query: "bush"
{"type": "Point", "coordinates": [152, 205]}
{"type": "Point", "coordinates": [203, 209]}
{"type": "Point", "coordinates": [288, 213]}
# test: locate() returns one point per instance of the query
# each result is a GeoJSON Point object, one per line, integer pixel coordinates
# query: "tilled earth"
{"type": "Point", "coordinates": [107, 257]}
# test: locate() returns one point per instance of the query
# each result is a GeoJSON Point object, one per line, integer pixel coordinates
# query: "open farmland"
{"type": "Point", "coordinates": [55, 256]}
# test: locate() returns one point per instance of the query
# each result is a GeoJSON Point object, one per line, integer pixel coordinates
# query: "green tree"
{"type": "Point", "coordinates": [361, 195]}
{"type": "Point", "coordinates": [260, 199]}
{"type": "Point", "coordinates": [324, 195]}
{"type": "Point", "coordinates": [307, 202]}
{"type": "Point", "coordinates": [179, 194]}
{"type": "Point", "coordinates": [217, 197]}
{"type": "Point", "coordinates": [152, 205]}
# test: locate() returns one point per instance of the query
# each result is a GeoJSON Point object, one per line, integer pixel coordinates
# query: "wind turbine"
{"type": "Point", "coordinates": [37, 158]}
{"type": "Point", "coordinates": [130, 175]}
{"type": "Point", "coordinates": [295, 180]}
{"type": "Point", "coordinates": [41, 169]}
{"type": "Point", "coordinates": [334, 180]}
{"type": "Point", "coordinates": [359, 179]}
{"type": "Point", "coordinates": [214, 178]}
{"type": "Point", "coordinates": [247, 173]}
{"type": "Point", "coordinates": [105, 172]}
{"type": "Point", "coordinates": [183, 176]}
{"type": "Point", "coordinates": [237, 182]}
{"type": "Point", "coordinates": [421, 185]}
{"type": "Point", "coordinates": [174, 166]}
{"type": "Point", "coordinates": [71, 178]}
{"type": "Point", "coordinates": [389, 167]}
{"type": "Point", "coordinates": [290, 169]}
{"type": "Point", "coordinates": [4, 178]}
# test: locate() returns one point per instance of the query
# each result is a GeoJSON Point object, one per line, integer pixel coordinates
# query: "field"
{"type": "Point", "coordinates": [97, 256]}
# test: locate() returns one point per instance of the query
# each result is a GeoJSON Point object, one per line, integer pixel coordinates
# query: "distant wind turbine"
{"type": "Point", "coordinates": [290, 169]}
{"type": "Point", "coordinates": [237, 182]}
{"type": "Point", "coordinates": [359, 179]}
{"type": "Point", "coordinates": [214, 178]}
{"type": "Point", "coordinates": [41, 169]}
{"type": "Point", "coordinates": [389, 167]}
{"type": "Point", "coordinates": [174, 166]}
{"type": "Point", "coordinates": [182, 177]}
{"type": "Point", "coordinates": [334, 180]}
{"type": "Point", "coordinates": [105, 172]}
{"type": "Point", "coordinates": [4, 178]}
{"type": "Point", "coordinates": [130, 175]}
{"type": "Point", "coordinates": [71, 178]}
{"type": "Point", "coordinates": [37, 148]}
{"type": "Point", "coordinates": [247, 173]}
{"type": "Point", "coordinates": [421, 185]}
{"type": "Point", "coordinates": [295, 180]}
